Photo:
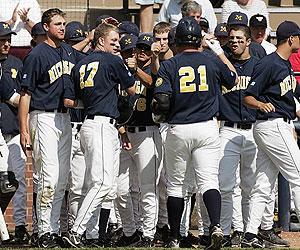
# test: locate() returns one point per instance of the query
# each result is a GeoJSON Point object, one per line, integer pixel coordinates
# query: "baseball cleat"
{"type": "Point", "coordinates": [172, 243]}
{"type": "Point", "coordinates": [271, 239]}
{"type": "Point", "coordinates": [126, 241]}
{"type": "Point", "coordinates": [73, 240]}
{"type": "Point", "coordinates": [185, 242]}
{"type": "Point", "coordinates": [145, 242]}
{"type": "Point", "coordinates": [236, 238]}
{"type": "Point", "coordinates": [216, 236]}
{"type": "Point", "coordinates": [253, 243]}
{"type": "Point", "coordinates": [46, 241]}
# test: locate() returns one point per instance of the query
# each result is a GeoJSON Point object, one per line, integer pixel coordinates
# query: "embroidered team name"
{"type": "Point", "coordinates": [59, 69]}
{"type": "Point", "coordinates": [243, 82]}
{"type": "Point", "coordinates": [288, 83]}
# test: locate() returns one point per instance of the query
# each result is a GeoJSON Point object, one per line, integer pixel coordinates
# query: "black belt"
{"type": "Point", "coordinates": [136, 129]}
{"type": "Point", "coordinates": [78, 126]}
{"type": "Point", "coordinates": [240, 125]}
{"type": "Point", "coordinates": [92, 117]}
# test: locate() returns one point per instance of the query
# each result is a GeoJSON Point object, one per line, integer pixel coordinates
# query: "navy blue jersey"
{"type": "Point", "coordinates": [142, 115]}
{"type": "Point", "coordinates": [273, 81]}
{"type": "Point", "coordinates": [46, 70]}
{"type": "Point", "coordinates": [231, 102]}
{"type": "Point", "coordinates": [193, 79]}
{"type": "Point", "coordinates": [255, 50]}
{"type": "Point", "coordinates": [97, 78]}
{"type": "Point", "coordinates": [9, 114]}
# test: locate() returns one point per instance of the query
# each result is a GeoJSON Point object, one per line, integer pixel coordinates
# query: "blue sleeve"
{"type": "Point", "coordinates": [227, 76]}
{"type": "Point", "coordinates": [260, 79]}
{"type": "Point", "coordinates": [31, 72]}
{"type": "Point", "coordinates": [163, 81]}
{"type": "Point", "coordinates": [122, 74]}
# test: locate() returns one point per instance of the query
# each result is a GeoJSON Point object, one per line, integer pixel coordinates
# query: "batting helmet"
{"type": "Point", "coordinates": [188, 32]}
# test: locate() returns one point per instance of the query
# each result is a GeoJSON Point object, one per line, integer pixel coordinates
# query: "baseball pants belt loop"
{"type": "Point", "coordinates": [238, 125]}
{"type": "Point", "coordinates": [102, 119]}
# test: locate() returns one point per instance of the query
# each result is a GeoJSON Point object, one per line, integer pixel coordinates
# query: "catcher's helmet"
{"type": "Point", "coordinates": [188, 32]}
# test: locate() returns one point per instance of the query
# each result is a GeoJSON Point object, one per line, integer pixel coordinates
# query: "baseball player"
{"type": "Point", "coordinates": [96, 79]}
{"type": "Point", "coordinates": [270, 91]}
{"type": "Point", "coordinates": [10, 131]}
{"type": "Point", "coordinates": [188, 84]}
{"type": "Point", "coordinates": [47, 70]}
{"type": "Point", "coordinates": [8, 183]}
{"type": "Point", "coordinates": [238, 149]}
{"type": "Point", "coordinates": [143, 133]}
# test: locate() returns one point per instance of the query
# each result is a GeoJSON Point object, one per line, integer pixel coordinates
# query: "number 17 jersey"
{"type": "Point", "coordinates": [193, 80]}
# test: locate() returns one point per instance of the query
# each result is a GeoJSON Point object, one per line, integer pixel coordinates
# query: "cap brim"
{"type": "Point", "coordinates": [127, 48]}
{"type": "Point", "coordinates": [76, 39]}
{"type": "Point", "coordinates": [8, 33]}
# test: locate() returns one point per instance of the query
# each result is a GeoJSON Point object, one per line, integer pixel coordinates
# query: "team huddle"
{"type": "Point", "coordinates": [203, 116]}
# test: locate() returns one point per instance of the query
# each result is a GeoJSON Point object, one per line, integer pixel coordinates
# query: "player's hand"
{"type": "Point", "coordinates": [126, 144]}
{"type": "Point", "coordinates": [131, 63]}
{"type": "Point", "coordinates": [23, 13]}
{"type": "Point", "coordinates": [266, 107]}
{"type": "Point", "coordinates": [25, 142]}
{"type": "Point", "coordinates": [90, 35]}
{"type": "Point", "coordinates": [14, 15]}
{"type": "Point", "coordinates": [155, 48]}
{"type": "Point", "coordinates": [214, 45]}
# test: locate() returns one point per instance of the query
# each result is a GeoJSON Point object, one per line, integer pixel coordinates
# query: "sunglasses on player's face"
{"type": "Point", "coordinates": [143, 47]}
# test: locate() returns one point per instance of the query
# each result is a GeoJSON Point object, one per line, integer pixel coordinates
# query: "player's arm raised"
{"type": "Point", "coordinates": [215, 46]}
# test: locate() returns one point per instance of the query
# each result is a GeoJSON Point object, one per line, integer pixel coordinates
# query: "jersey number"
{"type": "Point", "coordinates": [188, 76]}
{"type": "Point", "coordinates": [92, 68]}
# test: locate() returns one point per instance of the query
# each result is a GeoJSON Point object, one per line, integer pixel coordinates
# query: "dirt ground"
{"type": "Point", "coordinates": [293, 238]}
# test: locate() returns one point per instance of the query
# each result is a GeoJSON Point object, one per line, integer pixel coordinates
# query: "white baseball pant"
{"type": "Point", "coordinates": [3, 154]}
{"type": "Point", "coordinates": [79, 184]}
{"type": "Point", "coordinates": [100, 145]}
{"type": "Point", "coordinates": [196, 143]}
{"type": "Point", "coordinates": [51, 140]}
{"type": "Point", "coordinates": [17, 164]}
{"type": "Point", "coordinates": [238, 149]}
{"type": "Point", "coordinates": [277, 152]}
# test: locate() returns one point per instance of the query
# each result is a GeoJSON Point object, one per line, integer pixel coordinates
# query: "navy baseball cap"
{"type": "Point", "coordinates": [145, 39]}
{"type": "Point", "coordinates": [221, 30]}
{"type": "Point", "coordinates": [258, 20]}
{"type": "Point", "coordinates": [237, 18]}
{"type": "Point", "coordinates": [74, 32]}
{"type": "Point", "coordinates": [128, 42]}
{"type": "Point", "coordinates": [5, 29]}
{"type": "Point", "coordinates": [287, 29]}
{"type": "Point", "coordinates": [38, 29]}
{"type": "Point", "coordinates": [129, 28]}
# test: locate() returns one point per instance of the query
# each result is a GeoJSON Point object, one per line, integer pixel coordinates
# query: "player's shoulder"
{"type": "Point", "coordinates": [13, 62]}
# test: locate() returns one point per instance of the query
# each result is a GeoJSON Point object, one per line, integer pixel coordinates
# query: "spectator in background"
{"type": "Point", "coordinates": [192, 8]}
{"type": "Point", "coordinates": [295, 61]}
{"type": "Point", "coordinates": [21, 15]}
{"type": "Point", "coordinates": [258, 26]}
{"type": "Point", "coordinates": [249, 7]}
{"type": "Point", "coordinates": [171, 12]}
{"type": "Point", "coordinates": [146, 14]}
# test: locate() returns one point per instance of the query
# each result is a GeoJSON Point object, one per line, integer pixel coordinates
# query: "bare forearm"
{"type": "Point", "coordinates": [23, 112]}
{"type": "Point", "coordinates": [144, 77]}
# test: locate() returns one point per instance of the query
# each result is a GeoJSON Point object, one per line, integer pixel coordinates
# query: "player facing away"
{"type": "Point", "coordinates": [97, 78]}
{"type": "Point", "coordinates": [47, 70]}
{"type": "Point", "coordinates": [187, 89]}
{"type": "Point", "coordinates": [271, 92]}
